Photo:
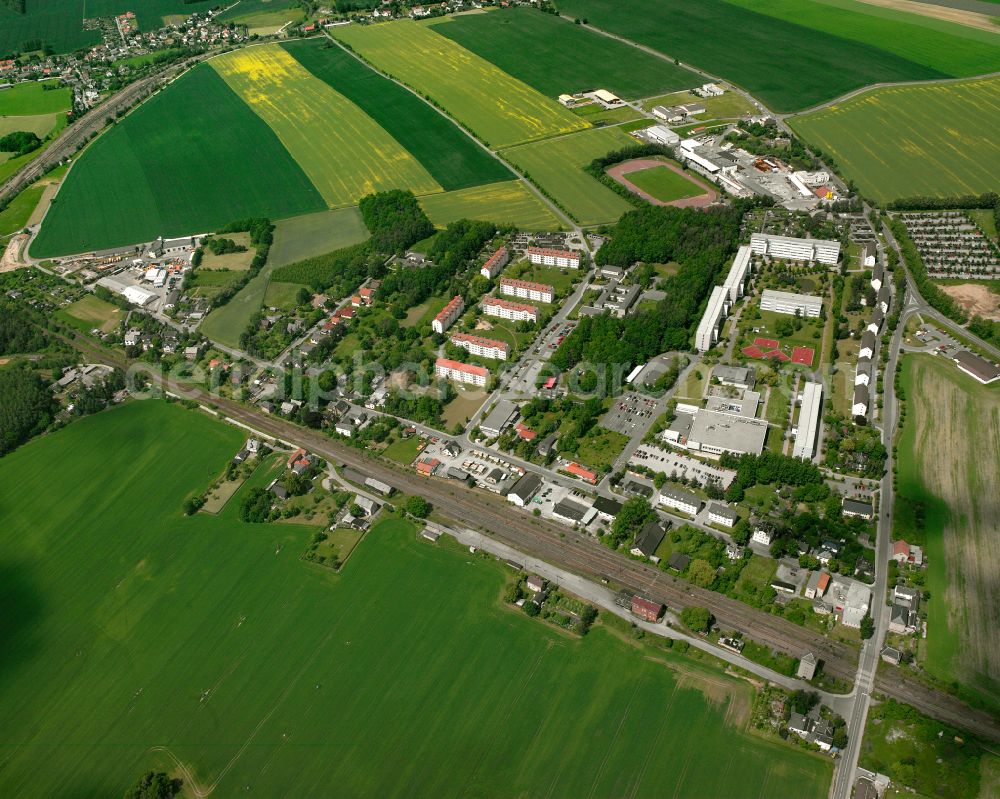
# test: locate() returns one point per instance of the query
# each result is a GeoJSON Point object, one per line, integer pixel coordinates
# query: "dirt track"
{"type": "Point", "coordinates": [619, 171]}
{"type": "Point", "coordinates": [956, 15]}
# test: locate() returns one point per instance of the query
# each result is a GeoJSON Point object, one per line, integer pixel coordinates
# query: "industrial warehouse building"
{"type": "Point", "coordinates": [822, 251]}
{"type": "Point", "coordinates": [788, 302]}
{"type": "Point", "coordinates": [809, 415]}
{"type": "Point", "coordinates": [499, 419]}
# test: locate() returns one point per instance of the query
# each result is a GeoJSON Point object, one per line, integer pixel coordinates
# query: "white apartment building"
{"type": "Point", "coordinates": [684, 501]}
{"type": "Point", "coordinates": [526, 290]}
{"type": "Point", "coordinates": [446, 318]}
{"type": "Point", "coordinates": [495, 263]}
{"type": "Point", "coordinates": [708, 329]}
{"type": "Point", "coordinates": [461, 372]}
{"type": "Point", "coordinates": [483, 347]}
{"type": "Point", "coordinates": [788, 302]}
{"type": "Point", "coordinates": [567, 259]}
{"type": "Point", "coordinates": [823, 251]}
{"type": "Point", "coordinates": [809, 415]}
{"type": "Point", "coordinates": [514, 311]}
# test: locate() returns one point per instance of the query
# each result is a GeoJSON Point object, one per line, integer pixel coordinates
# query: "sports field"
{"type": "Point", "coordinates": [139, 638]}
{"type": "Point", "coordinates": [342, 150]}
{"type": "Point", "coordinates": [946, 501]}
{"type": "Point", "coordinates": [504, 203]}
{"type": "Point", "coordinates": [564, 58]}
{"type": "Point", "coordinates": [557, 166]}
{"type": "Point", "coordinates": [664, 184]}
{"type": "Point", "coordinates": [819, 52]}
{"type": "Point", "coordinates": [453, 159]}
{"type": "Point", "coordinates": [936, 140]}
{"type": "Point", "coordinates": [90, 312]}
{"type": "Point", "coordinates": [155, 173]}
{"type": "Point", "coordinates": [500, 109]}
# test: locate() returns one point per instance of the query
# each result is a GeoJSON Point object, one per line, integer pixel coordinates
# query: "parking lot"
{"type": "Point", "coordinates": [630, 412]}
{"type": "Point", "coordinates": [674, 465]}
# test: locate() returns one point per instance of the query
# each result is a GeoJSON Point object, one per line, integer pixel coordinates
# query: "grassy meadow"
{"type": "Point", "coordinates": [452, 158]}
{"type": "Point", "coordinates": [904, 141]}
{"type": "Point", "coordinates": [307, 236]}
{"type": "Point", "coordinates": [139, 638]}
{"type": "Point", "coordinates": [786, 64]}
{"type": "Point", "coordinates": [498, 108]}
{"type": "Point", "coordinates": [557, 166]}
{"type": "Point", "coordinates": [511, 203]}
{"type": "Point", "coordinates": [155, 174]}
{"type": "Point", "coordinates": [946, 502]}
{"type": "Point", "coordinates": [15, 216]}
{"type": "Point", "coordinates": [342, 150]}
{"type": "Point", "coordinates": [564, 58]}
{"type": "Point", "coordinates": [35, 97]}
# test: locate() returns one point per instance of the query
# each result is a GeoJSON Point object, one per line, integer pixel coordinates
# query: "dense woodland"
{"type": "Point", "coordinates": [19, 331]}
{"type": "Point", "coordinates": [702, 242]}
{"type": "Point", "coordinates": [395, 220]}
{"type": "Point", "coordinates": [26, 406]}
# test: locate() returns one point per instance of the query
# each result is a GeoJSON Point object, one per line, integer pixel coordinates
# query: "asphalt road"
{"type": "Point", "coordinates": [582, 555]}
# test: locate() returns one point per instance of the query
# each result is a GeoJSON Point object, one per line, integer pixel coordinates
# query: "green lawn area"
{"type": "Point", "coordinates": [39, 124]}
{"type": "Point", "coordinates": [827, 48]}
{"type": "Point", "coordinates": [560, 279]}
{"type": "Point", "coordinates": [664, 184]}
{"type": "Point", "coordinates": [404, 450]}
{"type": "Point", "coordinates": [557, 167]}
{"type": "Point", "coordinates": [565, 58]}
{"type": "Point", "coordinates": [89, 312]}
{"type": "Point", "coordinates": [302, 237]}
{"type": "Point", "coordinates": [755, 579]}
{"type": "Point", "coordinates": [729, 106]}
{"type": "Point", "coordinates": [599, 448]}
{"type": "Point", "coordinates": [35, 97]}
{"type": "Point", "coordinates": [461, 409]}
{"type": "Point", "coordinates": [925, 122]}
{"type": "Point", "coordinates": [424, 313]}
{"type": "Point", "coordinates": [137, 638]}
{"type": "Point", "coordinates": [283, 295]}
{"type": "Point", "coordinates": [15, 216]}
{"type": "Point", "coordinates": [155, 174]}
{"type": "Point", "coordinates": [595, 113]}
{"type": "Point", "coordinates": [146, 58]}
{"type": "Point", "coordinates": [944, 503]}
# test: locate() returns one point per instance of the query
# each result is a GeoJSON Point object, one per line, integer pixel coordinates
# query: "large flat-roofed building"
{"type": "Point", "coordinates": [737, 276]}
{"type": "Point", "coordinates": [739, 376]}
{"type": "Point", "coordinates": [495, 263]}
{"type": "Point", "coordinates": [447, 316]}
{"type": "Point", "coordinates": [461, 372]}
{"type": "Point", "coordinates": [483, 347]}
{"type": "Point", "coordinates": [661, 134]}
{"type": "Point", "coordinates": [515, 311]}
{"type": "Point", "coordinates": [809, 414]}
{"type": "Point", "coordinates": [526, 290]}
{"type": "Point", "coordinates": [567, 259]}
{"type": "Point", "coordinates": [708, 329]}
{"type": "Point", "coordinates": [713, 432]}
{"type": "Point", "coordinates": [788, 302]}
{"type": "Point", "coordinates": [823, 251]}
{"type": "Point", "coordinates": [499, 419]}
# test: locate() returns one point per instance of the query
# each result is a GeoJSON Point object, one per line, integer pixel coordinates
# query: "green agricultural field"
{"type": "Point", "coordinates": [15, 216]}
{"type": "Point", "coordinates": [504, 203]}
{"type": "Point", "coordinates": [664, 184]}
{"type": "Point", "coordinates": [557, 166]}
{"type": "Point", "coordinates": [139, 638]}
{"type": "Point", "coordinates": [35, 97]}
{"type": "Point", "coordinates": [500, 109]}
{"type": "Point", "coordinates": [283, 295]}
{"type": "Point", "coordinates": [345, 153]}
{"type": "Point", "coordinates": [263, 16]}
{"type": "Point", "coordinates": [301, 237]}
{"type": "Point", "coordinates": [730, 105]}
{"type": "Point", "coordinates": [154, 173]}
{"type": "Point", "coordinates": [945, 503]}
{"type": "Point", "coordinates": [564, 58]}
{"type": "Point", "coordinates": [904, 141]}
{"type": "Point", "coordinates": [39, 124]}
{"type": "Point", "coordinates": [787, 65]}
{"type": "Point", "coordinates": [453, 159]}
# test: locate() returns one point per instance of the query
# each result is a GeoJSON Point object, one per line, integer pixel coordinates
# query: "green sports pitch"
{"type": "Point", "coordinates": [138, 638]}
{"type": "Point", "coordinates": [664, 184]}
{"type": "Point", "coordinates": [907, 141]}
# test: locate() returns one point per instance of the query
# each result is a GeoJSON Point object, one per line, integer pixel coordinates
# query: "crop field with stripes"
{"type": "Point", "coordinates": [139, 638]}
{"type": "Point", "coordinates": [905, 141]}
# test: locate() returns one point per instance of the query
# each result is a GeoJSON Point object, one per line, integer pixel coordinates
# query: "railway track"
{"type": "Point", "coordinates": [584, 555]}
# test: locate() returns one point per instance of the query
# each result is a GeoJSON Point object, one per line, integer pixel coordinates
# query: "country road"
{"type": "Point", "coordinates": [579, 554]}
